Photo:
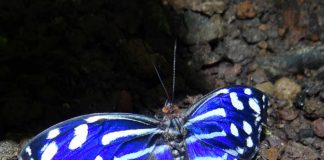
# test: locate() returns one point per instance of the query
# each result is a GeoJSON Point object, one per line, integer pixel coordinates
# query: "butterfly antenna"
{"type": "Point", "coordinates": [161, 81]}
{"type": "Point", "coordinates": [174, 69]}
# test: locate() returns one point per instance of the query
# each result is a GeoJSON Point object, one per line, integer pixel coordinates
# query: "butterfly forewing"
{"type": "Point", "coordinates": [100, 136]}
{"type": "Point", "coordinates": [225, 124]}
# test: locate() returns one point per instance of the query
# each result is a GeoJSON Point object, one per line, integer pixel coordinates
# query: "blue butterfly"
{"type": "Point", "coordinates": [223, 125]}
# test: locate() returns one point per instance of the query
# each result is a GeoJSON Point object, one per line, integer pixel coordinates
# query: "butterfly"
{"type": "Point", "coordinates": [225, 124]}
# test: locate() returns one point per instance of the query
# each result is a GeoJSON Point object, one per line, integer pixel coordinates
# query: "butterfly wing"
{"type": "Point", "coordinates": [100, 136]}
{"type": "Point", "coordinates": [225, 124]}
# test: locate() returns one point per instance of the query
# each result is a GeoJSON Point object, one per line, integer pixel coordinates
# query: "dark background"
{"type": "Point", "coordinates": [61, 59]}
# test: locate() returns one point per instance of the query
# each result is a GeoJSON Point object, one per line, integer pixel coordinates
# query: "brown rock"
{"type": "Point", "coordinates": [263, 52]}
{"type": "Point", "coordinates": [320, 72]}
{"type": "Point", "coordinates": [282, 31]}
{"type": "Point", "coordinates": [258, 76]}
{"type": "Point", "coordinates": [201, 29]}
{"type": "Point", "coordinates": [290, 18]}
{"type": "Point", "coordinates": [219, 83]}
{"type": "Point", "coordinates": [238, 50]}
{"type": "Point", "coordinates": [271, 154]}
{"type": "Point", "coordinates": [277, 139]}
{"type": "Point", "coordinates": [245, 9]}
{"type": "Point", "coordinates": [263, 45]}
{"type": "Point", "coordinates": [228, 71]}
{"type": "Point", "coordinates": [295, 35]}
{"type": "Point", "coordinates": [286, 89]}
{"type": "Point", "coordinates": [298, 151]}
{"type": "Point", "coordinates": [266, 87]}
{"type": "Point", "coordinates": [295, 128]}
{"type": "Point", "coordinates": [322, 149]}
{"type": "Point", "coordinates": [314, 37]}
{"type": "Point", "coordinates": [318, 127]}
{"type": "Point", "coordinates": [253, 35]}
{"type": "Point", "coordinates": [202, 55]}
{"type": "Point", "coordinates": [314, 108]}
{"type": "Point", "coordinates": [264, 27]}
{"type": "Point", "coordinates": [288, 114]}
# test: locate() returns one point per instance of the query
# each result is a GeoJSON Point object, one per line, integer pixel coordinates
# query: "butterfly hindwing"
{"type": "Point", "coordinates": [225, 124]}
{"type": "Point", "coordinates": [100, 136]}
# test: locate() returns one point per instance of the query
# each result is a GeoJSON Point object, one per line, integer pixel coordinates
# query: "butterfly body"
{"type": "Point", "coordinates": [224, 125]}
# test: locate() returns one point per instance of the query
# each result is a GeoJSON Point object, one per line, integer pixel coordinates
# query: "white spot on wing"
{"type": "Point", "coordinates": [234, 130]}
{"type": "Point", "coordinates": [133, 117]}
{"type": "Point", "coordinates": [49, 152]}
{"type": "Point", "coordinates": [44, 147]}
{"type": "Point", "coordinates": [98, 158]}
{"type": "Point", "coordinates": [239, 150]}
{"type": "Point", "coordinates": [212, 158]}
{"type": "Point", "coordinates": [196, 137]}
{"type": "Point", "coordinates": [216, 112]}
{"type": "Point", "coordinates": [53, 133]}
{"type": "Point", "coordinates": [80, 136]}
{"type": "Point", "coordinates": [28, 150]}
{"type": "Point", "coordinates": [254, 105]}
{"type": "Point", "coordinates": [249, 142]}
{"type": "Point", "coordinates": [161, 149]}
{"type": "Point", "coordinates": [257, 120]}
{"type": "Point", "coordinates": [108, 138]}
{"type": "Point", "coordinates": [93, 119]}
{"type": "Point", "coordinates": [222, 91]}
{"type": "Point", "coordinates": [264, 101]}
{"type": "Point", "coordinates": [247, 127]}
{"type": "Point", "coordinates": [232, 152]}
{"type": "Point", "coordinates": [135, 155]}
{"type": "Point", "coordinates": [247, 91]}
{"type": "Point", "coordinates": [260, 129]}
{"type": "Point", "coordinates": [236, 102]}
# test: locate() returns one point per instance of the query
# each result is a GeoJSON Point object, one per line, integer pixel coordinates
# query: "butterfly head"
{"type": "Point", "coordinates": [170, 110]}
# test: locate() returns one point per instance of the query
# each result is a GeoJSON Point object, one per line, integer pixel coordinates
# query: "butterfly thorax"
{"type": "Point", "coordinates": [174, 136]}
